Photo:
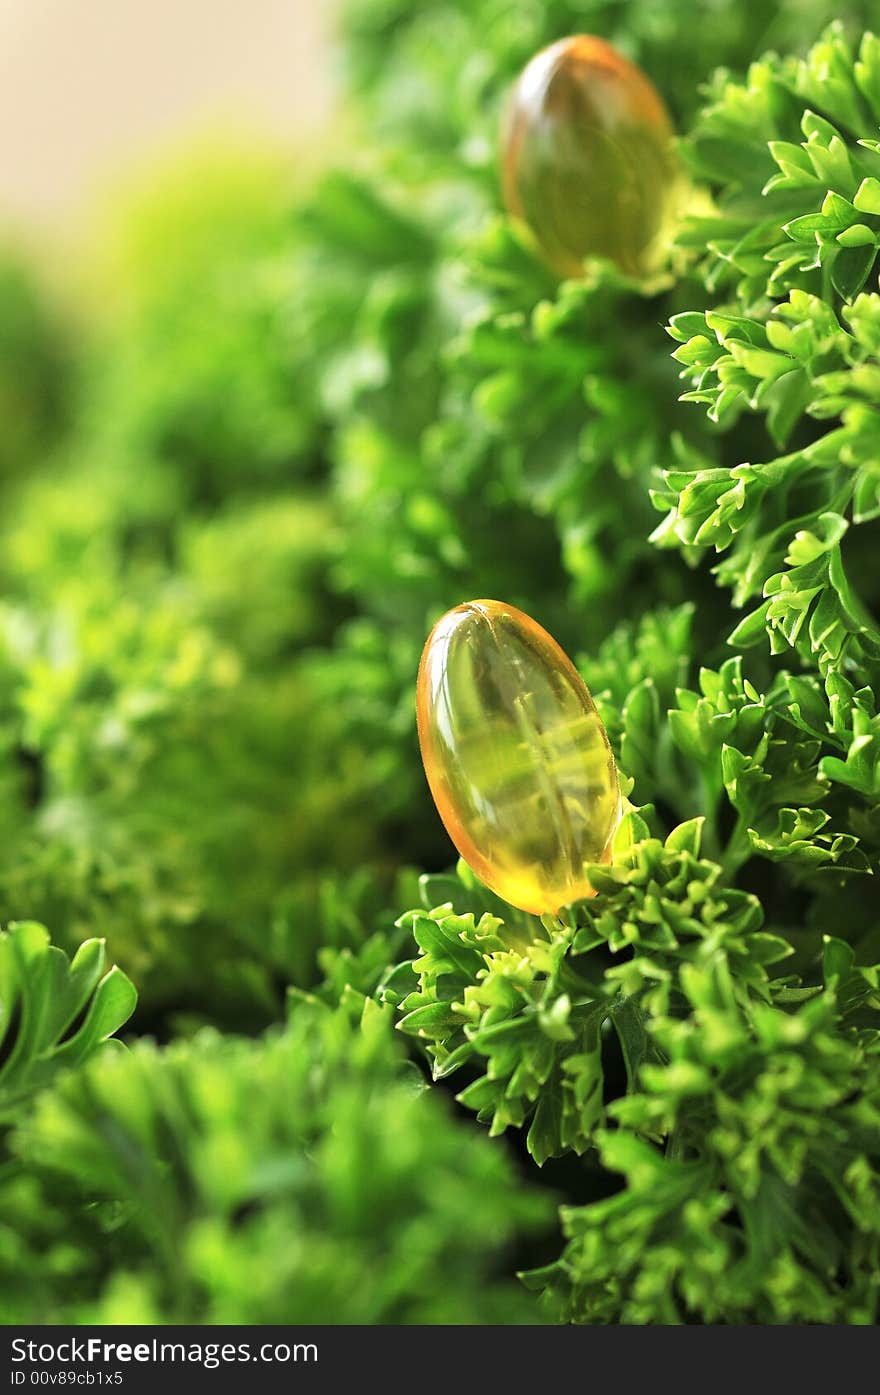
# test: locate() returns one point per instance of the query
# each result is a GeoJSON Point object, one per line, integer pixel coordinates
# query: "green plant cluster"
{"type": "Point", "coordinates": [169, 768]}
{"type": "Point", "coordinates": [304, 416]}
{"type": "Point", "coordinates": [231, 1187]}
{"type": "Point", "coordinates": [741, 999]}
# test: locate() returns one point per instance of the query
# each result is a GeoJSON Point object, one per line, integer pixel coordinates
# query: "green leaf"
{"type": "Point", "coordinates": [543, 1139]}
{"type": "Point", "coordinates": [867, 196]}
{"type": "Point", "coordinates": [41, 996]}
{"type": "Point", "coordinates": [858, 235]}
{"type": "Point", "coordinates": [838, 959]}
{"type": "Point", "coordinates": [634, 1041]}
{"type": "Point", "coordinates": [851, 268]}
{"type": "Point", "coordinates": [686, 837]}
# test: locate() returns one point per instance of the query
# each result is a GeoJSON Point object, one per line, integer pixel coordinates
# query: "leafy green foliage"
{"type": "Point", "coordinates": [307, 418]}
{"type": "Point", "coordinates": [56, 1015]}
{"type": "Point", "coordinates": [190, 1162]}
{"type": "Point", "coordinates": [719, 1050]}
{"type": "Point", "coordinates": [799, 343]}
{"type": "Point", "coordinates": [762, 1083]}
{"type": "Point", "coordinates": [522, 993]}
{"type": "Point", "coordinates": [123, 734]}
{"type": "Point", "coordinates": [434, 76]}
{"type": "Point", "coordinates": [764, 1206]}
{"type": "Point", "coordinates": [43, 995]}
{"type": "Point", "coordinates": [161, 587]}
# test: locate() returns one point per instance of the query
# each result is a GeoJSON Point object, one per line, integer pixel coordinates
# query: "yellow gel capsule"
{"type": "Point", "coordinates": [516, 755]}
{"type": "Point", "coordinates": [588, 161]}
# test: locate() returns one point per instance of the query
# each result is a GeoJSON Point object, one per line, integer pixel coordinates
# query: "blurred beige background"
{"type": "Point", "coordinates": [88, 86]}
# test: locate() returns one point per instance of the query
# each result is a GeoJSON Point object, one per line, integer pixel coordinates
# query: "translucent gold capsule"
{"type": "Point", "coordinates": [588, 160]}
{"type": "Point", "coordinates": [516, 755]}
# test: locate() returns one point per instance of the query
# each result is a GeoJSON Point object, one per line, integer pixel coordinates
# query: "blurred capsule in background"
{"type": "Point", "coordinates": [588, 158]}
{"type": "Point", "coordinates": [516, 755]}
